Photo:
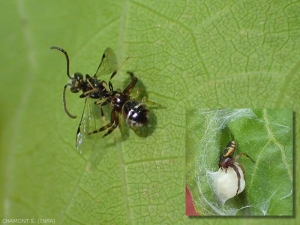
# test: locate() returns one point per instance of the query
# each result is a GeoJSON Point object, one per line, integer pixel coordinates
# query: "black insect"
{"type": "Point", "coordinates": [227, 160]}
{"type": "Point", "coordinates": [134, 112]}
{"type": "Point", "coordinates": [91, 87]}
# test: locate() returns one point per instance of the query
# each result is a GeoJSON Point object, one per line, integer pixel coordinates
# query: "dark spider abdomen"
{"type": "Point", "coordinates": [135, 113]}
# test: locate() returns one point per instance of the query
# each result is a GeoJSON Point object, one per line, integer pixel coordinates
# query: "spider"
{"type": "Point", "coordinates": [227, 160]}
{"type": "Point", "coordinates": [134, 112]}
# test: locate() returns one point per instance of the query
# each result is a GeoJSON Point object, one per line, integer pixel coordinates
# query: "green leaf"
{"type": "Point", "coordinates": [266, 136]}
{"type": "Point", "coordinates": [187, 54]}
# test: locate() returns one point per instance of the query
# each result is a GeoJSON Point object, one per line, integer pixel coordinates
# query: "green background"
{"type": "Point", "coordinates": [189, 54]}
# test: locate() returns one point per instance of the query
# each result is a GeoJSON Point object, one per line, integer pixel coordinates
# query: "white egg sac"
{"type": "Point", "coordinates": [226, 183]}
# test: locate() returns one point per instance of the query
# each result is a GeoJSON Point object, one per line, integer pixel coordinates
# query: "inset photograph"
{"type": "Point", "coordinates": [239, 162]}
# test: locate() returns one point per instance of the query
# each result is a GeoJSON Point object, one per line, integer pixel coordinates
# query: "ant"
{"type": "Point", "coordinates": [227, 160]}
{"type": "Point", "coordinates": [134, 112]}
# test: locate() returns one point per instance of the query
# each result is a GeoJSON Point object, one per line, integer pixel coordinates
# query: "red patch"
{"type": "Point", "coordinates": [189, 205]}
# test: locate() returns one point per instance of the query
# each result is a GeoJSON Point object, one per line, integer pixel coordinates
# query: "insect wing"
{"type": "Point", "coordinates": [90, 120]}
{"type": "Point", "coordinates": [108, 63]}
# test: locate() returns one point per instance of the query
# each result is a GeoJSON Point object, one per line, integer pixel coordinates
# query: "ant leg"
{"type": "Point", "coordinates": [239, 155]}
{"type": "Point", "coordinates": [238, 176]}
{"type": "Point", "coordinates": [130, 86]}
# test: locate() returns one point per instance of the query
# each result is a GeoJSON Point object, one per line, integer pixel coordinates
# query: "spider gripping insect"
{"type": "Point", "coordinates": [134, 112]}
{"type": "Point", "coordinates": [227, 160]}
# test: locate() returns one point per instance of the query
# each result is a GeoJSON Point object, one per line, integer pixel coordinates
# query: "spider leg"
{"type": "Point", "coordinates": [102, 102]}
{"type": "Point", "coordinates": [238, 175]}
{"type": "Point", "coordinates": [130, 86]}
{"type": "Point", "coordinates": [111, 123]}
{"type": "Point", "coordinates": [139, 94]}
{"type": "Point", "coordinates": [240, 165]}
{"type": "Point", "coordinates": [102, 114]}
{"type": "Point", "coordinates": [149, 102]}
{"type": "Point", "coordinates": [239, 155]}
{"type": "Point", "coordinates": [115, 124]}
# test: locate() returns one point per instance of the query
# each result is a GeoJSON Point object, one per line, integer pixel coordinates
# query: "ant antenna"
{"type": "Point", "coordinates": [65, 104]}
{"type": "Point", "coordinates": [67, 58]}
